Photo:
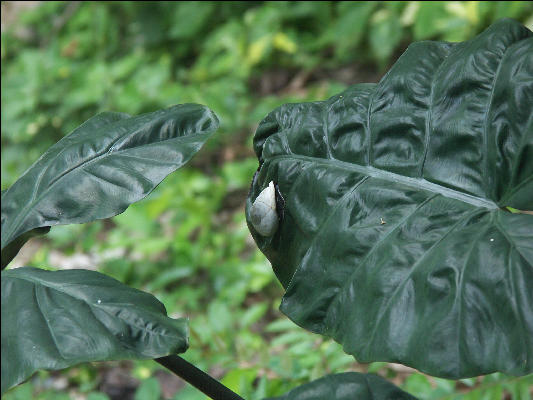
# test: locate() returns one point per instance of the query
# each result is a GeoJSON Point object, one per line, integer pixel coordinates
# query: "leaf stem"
{"type": "Point", "coordinates": [199, 379]}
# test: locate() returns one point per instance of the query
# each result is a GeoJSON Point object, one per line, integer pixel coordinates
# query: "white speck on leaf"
{"type": "Point", "coordinates": [99, 301]}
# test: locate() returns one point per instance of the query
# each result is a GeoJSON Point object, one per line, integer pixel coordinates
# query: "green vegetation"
{"type": "Point", "coordinates": [188, 243]}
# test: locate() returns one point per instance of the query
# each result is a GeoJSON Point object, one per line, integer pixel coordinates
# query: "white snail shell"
{"type": "Point", "coordinates": [263, 213]}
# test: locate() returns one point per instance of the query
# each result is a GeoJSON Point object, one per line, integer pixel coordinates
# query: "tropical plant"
{"type": "Point", "coordinates": [403, 227]}
{"type": "Point", "coordinates": [396, 236]}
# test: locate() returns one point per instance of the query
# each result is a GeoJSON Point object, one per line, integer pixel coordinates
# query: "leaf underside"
{"type": "Point", "coordinates": [393, 239]}
{"type": "Point", "coordinates": [54, 320]}
{"type": "Point", "coordinates": [347, 386]}
{"type": "Point", "coordinates": [103, 166]}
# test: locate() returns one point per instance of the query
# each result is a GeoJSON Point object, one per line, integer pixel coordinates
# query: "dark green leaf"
{"type": "Point", "coordinates": [393, 240]}
{"type": "Point", "coordinates": [108, 163]}
{"type": "Point", "coordinates": [53, 320]}
{"type": "Point", "coordinates": [347, 386]}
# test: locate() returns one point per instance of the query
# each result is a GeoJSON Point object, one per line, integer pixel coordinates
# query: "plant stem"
{"type": "Point", "coordinates": [199, 379]}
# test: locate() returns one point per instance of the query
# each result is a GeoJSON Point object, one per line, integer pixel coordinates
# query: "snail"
{"type": "Point", "coordinates": [263, 214]}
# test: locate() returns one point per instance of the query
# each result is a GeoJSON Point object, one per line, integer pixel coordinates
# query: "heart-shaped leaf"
{"type": "Point", "coordinates": [53, 320]}
{"type": "Point", "coordinates": [393, 239]}
{"type": "Point", "coordinates": [97, 171]}
{"type": "Point", "coordinates": [347, 386]}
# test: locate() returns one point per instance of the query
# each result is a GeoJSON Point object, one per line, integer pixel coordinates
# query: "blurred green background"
{"type": "Point", "coordinates": [187, 243]}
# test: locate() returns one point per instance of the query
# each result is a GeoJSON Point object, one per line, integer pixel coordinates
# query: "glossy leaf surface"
{"type": "Point", "coordinates": [53, 320]}
{"type": "Point", "coordinates": [347, 386]}
{"type": "Point", "coordinates": [393, 240]}
{"type": "Point", "coordinates": [108, 163]}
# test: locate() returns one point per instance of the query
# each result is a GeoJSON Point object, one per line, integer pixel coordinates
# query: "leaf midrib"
{"type": "Point", "coordinates": [417, 183]}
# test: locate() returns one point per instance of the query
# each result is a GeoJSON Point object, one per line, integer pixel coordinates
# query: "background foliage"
{"type": "Point", "coordinates": [187, 243]}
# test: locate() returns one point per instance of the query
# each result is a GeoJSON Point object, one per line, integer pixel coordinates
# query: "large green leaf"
{"type": "Point", "coordinates": [53, 320]}
{"type": "Point", "coordinates": [108, 163]}
{"type": "Point", "coordinates": [393, 240]}
{"type": "Point", "coordinates": [347, 386]}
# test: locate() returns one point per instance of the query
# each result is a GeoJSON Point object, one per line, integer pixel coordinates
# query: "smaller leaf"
{"type": "Point", "coordinates": [347, 386]}
{"type": "Point", "coordinates": [57, 319]}
{"type": "Point", "coordinates": [109, 162]}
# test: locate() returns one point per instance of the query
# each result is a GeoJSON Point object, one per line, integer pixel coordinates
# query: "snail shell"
{"type": "Point", "coordinates": [263, 213]}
